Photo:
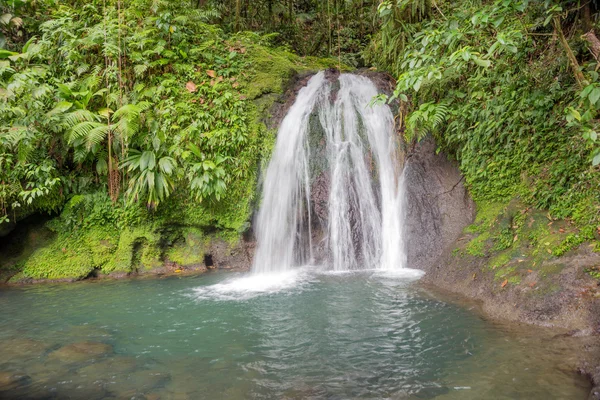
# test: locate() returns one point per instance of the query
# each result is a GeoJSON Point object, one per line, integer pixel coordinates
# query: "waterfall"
{"type": "Point", "coordinates": [334, 139]}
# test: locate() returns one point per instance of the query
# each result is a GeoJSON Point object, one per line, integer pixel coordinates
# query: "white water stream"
{"type": "Point", "coordinates": [365, 186]}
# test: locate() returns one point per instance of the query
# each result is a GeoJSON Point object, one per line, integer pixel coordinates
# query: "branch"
{"type": "Point", "coordinates": [574, 64]}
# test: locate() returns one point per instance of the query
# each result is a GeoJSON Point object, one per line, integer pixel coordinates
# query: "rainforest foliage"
{"type": "Point", "coordinates": [120, 113]}
{"type": "Point", "coordinates": [509, 87]}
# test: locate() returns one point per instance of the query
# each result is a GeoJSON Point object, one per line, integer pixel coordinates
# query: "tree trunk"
{"type": "Point", "coordinates": [586, 16]}
{"type": "Point", "coordinates": [237, 14]}
{"type": "Point", "coordinates": [573, 61]}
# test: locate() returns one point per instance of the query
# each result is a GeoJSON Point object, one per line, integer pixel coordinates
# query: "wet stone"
{"type": "Point", "coordinates": [11, 380]}
{"type": "Point", "coordinates": [109, 368]}
{"type": "Point", "coordinates": [79, 352]}
{"type": "Point", "coordinates": [140, 381]}
{"type": "Point", "coordinates": [21, 349]}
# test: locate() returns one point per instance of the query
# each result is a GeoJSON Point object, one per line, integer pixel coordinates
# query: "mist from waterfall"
{"type": "Point", "coordinates": [356, 154]}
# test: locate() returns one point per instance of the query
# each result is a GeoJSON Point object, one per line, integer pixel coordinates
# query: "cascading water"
{"type": "Point", "coordinates": [333, 134]}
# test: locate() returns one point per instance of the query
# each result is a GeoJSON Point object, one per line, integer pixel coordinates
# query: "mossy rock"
{"type": "Point", "coordinates": [189, 250]}
{"type": "Point", "coordinates": [71, 257]}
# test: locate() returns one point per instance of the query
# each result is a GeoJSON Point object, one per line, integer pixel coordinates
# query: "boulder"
{"type": "Point", "coordinates": [79, 352]}
{"type": "Point", "coordinates": [438, 205]}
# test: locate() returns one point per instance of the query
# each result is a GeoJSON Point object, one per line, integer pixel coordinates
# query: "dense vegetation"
{"type": "Point", "coordinates": [128, 116]}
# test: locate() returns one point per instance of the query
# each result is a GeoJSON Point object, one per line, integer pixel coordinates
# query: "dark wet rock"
{"type": "Point", "coordinates": [47, 372]}
{"type": "Point", "coordinates": [11, 380]}
{"type": "Point", "coordinates": [438, 206]}
{"type": "Point", "coordinates": [319, 197]}
{"type": "Point", "coordinates": [226, 256]}
{"type": "Point", "coordinates": [79, 352]}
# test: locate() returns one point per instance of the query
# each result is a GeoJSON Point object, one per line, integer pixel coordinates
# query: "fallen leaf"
{"type": "Point", "coordinates": [505, 283]}
{"type": "Point", "coordinates": [561, 230]}
{"type": "Point", "coordinates": [474, 275]}
{"type": "Point", "coordinates": [530, 271]}
{"type": "Point", "coordinates": [191, 87]}
{"type": "Point", "coordinates": [235, 85]}
{"type": "Point", "coordinates": [211, 73]}
{"type": "Point", "coordinates": [532, 284]}
{"type": "Point", "coordinates": [549, 251]}
{"type": "Point", "coordinates": [515, 238]}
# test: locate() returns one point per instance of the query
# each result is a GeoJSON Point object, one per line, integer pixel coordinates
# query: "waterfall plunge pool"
{"type": "Point", "coordinates": [308, 335]}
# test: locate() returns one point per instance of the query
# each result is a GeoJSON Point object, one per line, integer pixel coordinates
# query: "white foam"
{"type": "Point", "coordinates": [252, 285]}
{"type": "Point", "coordinates": [404, 273]}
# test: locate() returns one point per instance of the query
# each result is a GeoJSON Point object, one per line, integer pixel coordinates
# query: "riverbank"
{"type": "Point", "coordinates": [519, 263]}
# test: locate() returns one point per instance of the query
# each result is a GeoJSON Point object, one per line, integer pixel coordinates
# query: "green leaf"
{"type": "Point", "coordinates": [594, 95]}
{"type": "Point", "coordinates": [481, 62]}
{"type": "Point", "coordinates": [60, 108]}
{"type": "Point", "coordinates": [147, 161]}
{"type": "Point", "coordinates": [4, 54]}
{"type": "Point", "coordinates": [596, 160]}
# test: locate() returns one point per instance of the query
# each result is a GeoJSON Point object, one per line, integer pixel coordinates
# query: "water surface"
{"type": "Point", "coordinates": [304, 335]}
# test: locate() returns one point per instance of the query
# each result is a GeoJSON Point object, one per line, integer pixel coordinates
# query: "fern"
{"type": "Point", "coordinates": [428, 119]}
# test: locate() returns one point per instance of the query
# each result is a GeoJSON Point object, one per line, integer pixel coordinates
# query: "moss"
{"type": "Point", "coordinates": [487, 214]}
{"type": "Point", "coordinates": [500, 260]}
{"type": "Point", "coordinates": [477, 246]}
{"type": "Point", "coordinates": [272, 68]}
{"type": "Point", "coordinates": [139, 248]}
{"type": "Point", "coordinates": [505, 272]}
{"type": "Point", "coordinates": [547, 270]}
{"type": "Point", "coordinates": [69, 257]}
{"type": "Point", "coordinates": [594, 272]}
{"type": "Point", "coordinates": [190, 249]}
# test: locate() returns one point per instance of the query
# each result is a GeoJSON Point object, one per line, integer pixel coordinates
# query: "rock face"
{"type": "Point", "coordinates": [438, 206]}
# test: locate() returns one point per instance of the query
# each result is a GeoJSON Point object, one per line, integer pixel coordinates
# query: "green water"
{"type": "Point", "coordinates": [308, 336]}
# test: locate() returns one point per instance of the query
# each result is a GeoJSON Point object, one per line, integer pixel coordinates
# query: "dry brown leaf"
{"type": "Point", "coordinates": [191, 87]}
{"type": "Point", "coordinates": [211, 73]}
{"type": "Point", "coordinates": [532, 284]}
{"type": "Point", "coordinates": [505, 283]}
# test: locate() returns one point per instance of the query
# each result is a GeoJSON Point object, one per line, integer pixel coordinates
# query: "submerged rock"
{"type": "Point", "coordinates": [11, 380]}
{"type": "Point", "coordinates": [108, 368]}
{"type": "Point", "coordinates": [21, 349]}
{"type": "Point", "coordinates": [139, 382]}
{"type": "Point", "coordinates": [78, 352]}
